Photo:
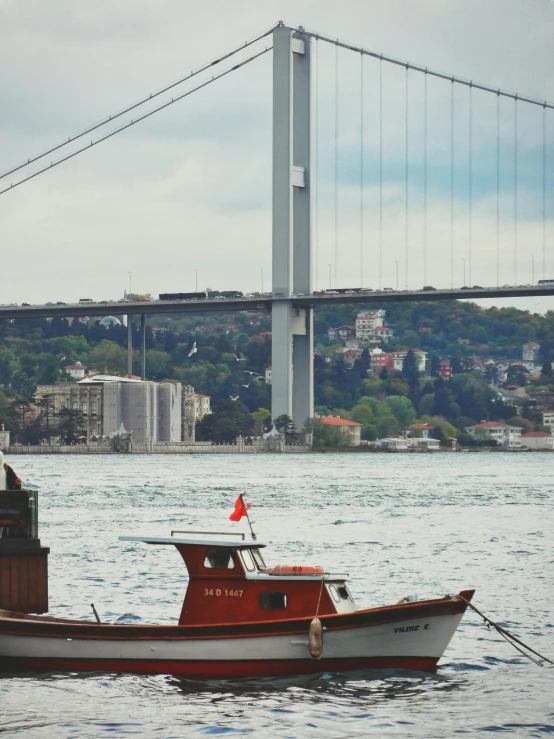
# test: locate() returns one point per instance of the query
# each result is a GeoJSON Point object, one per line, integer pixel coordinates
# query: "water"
{"type": "Point", "coordinates": [399, 524]}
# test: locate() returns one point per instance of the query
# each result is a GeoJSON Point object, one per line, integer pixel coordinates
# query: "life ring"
{"type": "Point", "coordinates": [297, 570]}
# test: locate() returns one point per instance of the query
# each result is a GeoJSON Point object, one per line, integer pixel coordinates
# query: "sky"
{"type": "Point", "coordinates": [185, 196]}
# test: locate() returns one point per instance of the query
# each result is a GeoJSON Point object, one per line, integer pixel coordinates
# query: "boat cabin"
{"type": "Point", "coordinates": [230, 582]}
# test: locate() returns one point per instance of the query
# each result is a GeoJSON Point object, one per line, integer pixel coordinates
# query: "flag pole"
{"type": "Point", "coordinates": [248, 518]}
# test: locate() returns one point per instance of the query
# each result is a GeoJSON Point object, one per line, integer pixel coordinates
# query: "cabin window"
{"type": "Point", "coordinates": [247, 559]}
{"type": "Point", "coordinates": [343, 592]}
{"type": "Point", "coordinates": [336, 596]}
{"type": "Point", "coordinates": [273, 601]}
{"type": "Point", "coordinates": [219, 559]}
{"type": "Point", "coordinates": [258, 559]}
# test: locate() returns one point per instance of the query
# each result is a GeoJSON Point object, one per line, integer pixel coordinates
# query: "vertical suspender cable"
{"type": "Point", "coordinates": [381, 174]}
{"type": "Point", "coordinates": [406, 197]}
{"type": "Point", "coordinates": [362, 170]}
{"type": "Point", "coordinates": [336, 165]}
{"type": "Point", "coordinates": [452, 184]}
{"type": "Point", "coordinates": [470, 184]}
{"type": "Point", "coordinates": [515, 189]}
{"type": "Point", "coordinates": [316, 136]}
{"type": "Point", "coordinates": [498, 191]}
{"type": "Point", "coordinates": [425, 183]}
{"type": "Point", "coordinates": [544, 193]}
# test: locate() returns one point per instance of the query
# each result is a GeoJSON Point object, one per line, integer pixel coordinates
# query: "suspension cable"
{"type": "Point", "coordinates": [406, 198]}
{"type": "Point", "coordinates": [137, 120]}
{"type": "Point", "coordinates": [128, 109]}
{"type": "Point", "coordinates": [515, 190]}
{"type": "Point", "coordinates": [425, 146]}
{"type": "Point", "coordinates": [336, 166]}
{"type": "Point", "coordinates": [498, 191]}
{"type": "Point", "coordinates": [316, 136]}
{"type": "Point", "coordinates": [470, 184]}
{"type": "Point", "coordinates": [426, 70]}
{"type": "Point", "coordinates": [362, 170]}
{"type": "Point", "coordinates": [381, 175]}
{"type": "Point", "coordinates": [452, 185]}
{"type": "Point", "coordinates": [544, 193]}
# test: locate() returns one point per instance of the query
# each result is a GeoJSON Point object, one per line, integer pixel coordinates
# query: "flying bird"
{"type": "Point", "coordinates": [235, 398]}
{"type": "Point", "coordinates": [193, 350]}
{"type": "Point", "coordinates": [247, 372]}
{"type": "Point", "coordinates": [242, 359]}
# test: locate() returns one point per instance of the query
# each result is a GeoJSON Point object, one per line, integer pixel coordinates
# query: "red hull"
{"type": "Point", "coordinates": [219, 670]}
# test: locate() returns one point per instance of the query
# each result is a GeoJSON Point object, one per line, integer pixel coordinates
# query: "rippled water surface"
{"type": "Point", "coordinates": [399, 524]}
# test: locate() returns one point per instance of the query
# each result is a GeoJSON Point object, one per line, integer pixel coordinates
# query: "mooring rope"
{"type": "Point", "coordinates": [510, 638]}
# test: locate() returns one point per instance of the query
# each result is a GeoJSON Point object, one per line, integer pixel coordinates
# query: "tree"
{"type": "Point", "coordinates": [284, 424]}
{"type": "Point", "coordinates": [516, 375]}
{"type": "Point", "coordinates": [402, 409]}
{"type": "Point", "coordinates": [327, 436]}
{"type": "Point", "coordinates": [435, 366]}
{"type": "Point", "coordinates": [546, 372]}
{"type": "Point", "coordinates": [410, 372]}
{"type": "Point", "coordinates": [229, 420]}
{"type": "Point", "coordinates": [70, 426]}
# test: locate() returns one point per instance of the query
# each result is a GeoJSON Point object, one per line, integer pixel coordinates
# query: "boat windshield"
{"type": "Point", "coordinates": [219, 559]}
{"type": "Point", "coordinates": [258, 559]}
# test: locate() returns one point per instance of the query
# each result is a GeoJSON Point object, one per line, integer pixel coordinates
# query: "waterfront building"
{"type": "Point", "coordinates": [417, 430]}
{"type": "Point", "coordinates": [537, 440]}
{"type": "Point", "coordinates": [393, 444]}
{"type": "Point", "coordinates": [151, 410]}
{"type": "Point", "coordinates": [193, 409]}
{"type": "Point", "coordinates": [350, 429]}
{"type": "Point", "coordinates": [502, 433]}
{"type": "Point", "coordinates": [424, 442]}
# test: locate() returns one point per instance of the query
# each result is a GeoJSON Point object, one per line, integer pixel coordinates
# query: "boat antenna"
{"type": "Point", "coordinates": [246, 506]}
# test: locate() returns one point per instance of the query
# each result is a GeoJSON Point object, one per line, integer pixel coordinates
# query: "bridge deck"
{"type": "Point", "coordinates": [238, 304]}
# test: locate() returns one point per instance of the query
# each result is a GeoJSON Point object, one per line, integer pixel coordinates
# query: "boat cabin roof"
{"type": "Point", "coordinates": [227, 543]}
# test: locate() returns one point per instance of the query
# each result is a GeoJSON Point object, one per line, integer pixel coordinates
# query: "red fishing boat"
{"type": "Point", "coordinates": [241, 618]}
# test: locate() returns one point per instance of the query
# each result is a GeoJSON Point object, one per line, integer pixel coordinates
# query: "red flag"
{"type": "Point", "coordinates": [239, 511]}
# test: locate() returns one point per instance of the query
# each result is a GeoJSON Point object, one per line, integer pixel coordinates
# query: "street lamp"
{"type": "Point", "coordinates": [330, 268]}
{"type": "Point", "coordinates": [196, 280]}
{"type": "Point", "coordinates": [130, 283]}
{"type": "Point", "coordinates": [396, 274]}
{"type": "Point", "coordinates": [533, 269]}
{"type": "Point", "coordinates": [262, 274]}
{"type": "Point", "coordinates": [464, 261]}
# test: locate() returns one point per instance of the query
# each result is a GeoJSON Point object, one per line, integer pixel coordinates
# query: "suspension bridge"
{"type": "Point", "coordinates": [448, 181]}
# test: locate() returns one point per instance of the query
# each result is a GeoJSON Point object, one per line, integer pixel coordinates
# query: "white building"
{"type": "Point", "coordinates": [548, 420]}
{"type": "Point", "coordinates": [201, 405]}
{"type": "Point", "coordinates": [502, 433]}
{"type": "Point", "coordinates": [530, 350]}
{"type": "Point", "coordinates": [393, 444]}
{"type": "Point", "coordinates": [425, 442]}
{"type": "Point", "coordinates": [77, 370]}
{"type": "Point", "coordinates": [367, 321]}
{"type": "Point", "coordinates": [537, 440]}
{"type": "Point", "coordinates": [399, 357]}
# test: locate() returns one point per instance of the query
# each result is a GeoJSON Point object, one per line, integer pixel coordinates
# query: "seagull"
{"type": "Point", "coordinates": [193, 350]}
{"type": "Point", "coordinates": [235, 398]}
{"type": "Point", "coordinates": [246, 385]}
{"type": "Point", "coordinates": [242, 359]}
{"type": "Point", "coordinates": [247, 372]}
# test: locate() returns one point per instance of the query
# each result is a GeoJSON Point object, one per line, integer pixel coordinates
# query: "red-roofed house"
{"type": "Point", "coordinates": [77, 370]}
{"type": "Point", "coordinates": [537, 440]}
{"type": "Point", "coordinates": [445, 369]}
{"type": "Point", "coordinates": [418, 429]}
{"type": "Point", "coordinates": [351, 429]}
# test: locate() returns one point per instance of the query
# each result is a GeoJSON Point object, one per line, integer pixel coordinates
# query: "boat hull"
{"type": "Point", "coordinates": [409, 636]}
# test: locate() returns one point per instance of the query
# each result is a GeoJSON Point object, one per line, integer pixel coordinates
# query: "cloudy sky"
{"type": "Point", "coordinates": [190, 188]}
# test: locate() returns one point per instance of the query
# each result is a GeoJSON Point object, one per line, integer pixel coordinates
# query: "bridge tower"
{"type": "Point", "coordinates": [292, 327]}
